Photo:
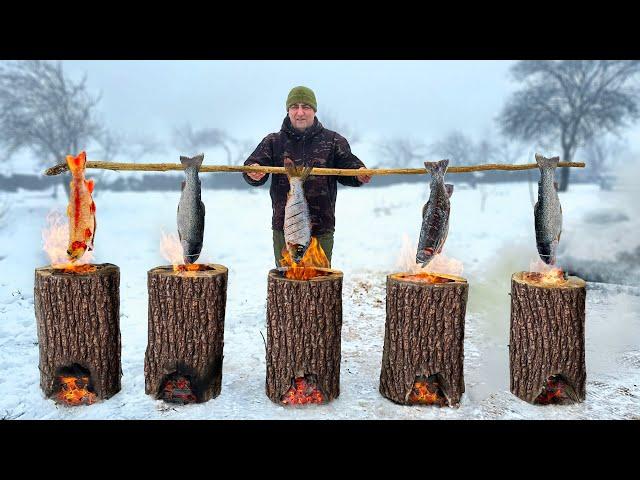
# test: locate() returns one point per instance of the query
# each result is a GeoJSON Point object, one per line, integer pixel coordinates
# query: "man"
{"type": "Point", "coordinates": [304, 140]}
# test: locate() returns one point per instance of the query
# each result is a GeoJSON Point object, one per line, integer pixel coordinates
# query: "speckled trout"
{"type": "Point", "coordinates": [81, 210]}
{"type": "Point", "coordinates": [435, 214]}
{"type": "Point", "coordinates": [191, 210]}
{"type": "Point", "coordinates": [547, 212]}
{"type": "Point", "coordinates": [297, 222]}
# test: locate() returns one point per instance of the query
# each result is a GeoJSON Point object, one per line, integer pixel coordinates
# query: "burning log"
{"type": "Point", "coordinates": [78, 318]}
{"type": "Point", "coordinates": [304, 322]}
{"type": "Point", "coordinates": [423, 354]}
{"type": "Point", "coordinates": [183, 361]}
{"type": "Point", "coordinates": [547, 342]}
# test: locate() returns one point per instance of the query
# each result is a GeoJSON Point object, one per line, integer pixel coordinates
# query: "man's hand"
{"type": "Point", "coordinates": [364, 178]}
{"type": "Point", "coordinates": [257, 176]}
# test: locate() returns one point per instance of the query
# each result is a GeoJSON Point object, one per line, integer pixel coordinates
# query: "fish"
{"type": "Point", "coordinates": [191, 210]}
{"type": "Point", "coordinates": [547, 212]}
{"type": "Point", "coordinates": [435, 214]}
{"type": "Point", "coordinates": [297, 222]}
{"type": "Point", "coordinates": [81, 209]}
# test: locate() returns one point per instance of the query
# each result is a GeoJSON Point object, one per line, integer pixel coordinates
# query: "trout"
{"type": "Point", "coordinates": [435, 214]}
{"type": "Point", "coordinates": [297, 222]}
{"type": "Point", "coordinates": [547, 212]}
{"type": "Point", "coordinates": [191, 210]}
{"type": "Point", "coordinates": [81, 210]}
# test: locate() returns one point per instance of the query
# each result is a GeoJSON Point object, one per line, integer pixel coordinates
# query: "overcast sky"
{"type": "Point", "coordinates": [423, 100]}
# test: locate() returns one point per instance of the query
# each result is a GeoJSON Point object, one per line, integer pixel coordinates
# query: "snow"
{"type": "Point", "coordinates": [491, 232]}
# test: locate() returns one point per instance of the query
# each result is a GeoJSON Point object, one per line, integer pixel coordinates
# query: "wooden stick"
{"type": "Point", "coordinates": [344, 172]}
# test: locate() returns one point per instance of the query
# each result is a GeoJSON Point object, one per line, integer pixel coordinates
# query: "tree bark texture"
{"type": "Point", "coordinates": [304, 323]}
{"type": "Point", "coordinates": [547, 336]}
{"type": "Point", "coordinates": [78, 318]}
{"type": "Point", "coordinates": [186, 329]}
{"type": "Point", "coordinates": [424, 336]}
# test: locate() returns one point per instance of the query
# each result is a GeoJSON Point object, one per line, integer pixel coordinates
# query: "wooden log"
{"type": "Point", "coordinates": [424, 336]}
{"type": "Point", "coordinates": [547, 336]}
{"type": "Point", "coordinates": [304, 324]}
{"type": "Point", "coordinates": [78, 318]}
{"type": "Point", "coordinates": [186, 329]}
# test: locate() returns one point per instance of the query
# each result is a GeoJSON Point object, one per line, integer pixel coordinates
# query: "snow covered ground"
{"type": "Point", "coordinates": [491, 232]}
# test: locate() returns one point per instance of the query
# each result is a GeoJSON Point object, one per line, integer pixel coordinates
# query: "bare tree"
{"type": "Point", "coordinates": [401, 152]}
{"type": "Point", "coordinates": [601, 155]}
{"type": "Point", "coordinates": [189, 140]}
{"type": "Point", "coordinates": [570, 102]}
{"type": "Point", "coordinates": [457, 147]}
{"type": "Point", "coordinates": [332, 123]}
{"type": "Point", "coordinates": [43, 111]}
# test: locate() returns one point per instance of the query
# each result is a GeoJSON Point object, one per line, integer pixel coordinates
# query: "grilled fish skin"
{"type": "Point", "coordinates": [435, 214]}
{"type": "Point", "coordinates": [297, 222]}
{"type": "Point", "coordinates": [81, 210]}
{"type": "Point", "coordinates": [191, 210]}
{"type": "Point", "coordinates": [547, 212]}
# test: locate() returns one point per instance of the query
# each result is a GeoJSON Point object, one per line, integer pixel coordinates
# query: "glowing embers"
{"type": "Point", "coordinates": [178, 389]}
{"type": "Point", "coordinates": [303, 391]}
{"type": "Point", "coordinates": [192, 267]}
{"type": "Point", "coordinates": [556, 391]}
{"type": "Point", "coordinates": [427, 391]}
{"type": "Point", "coordinates": [426, 277]}
{"type": "Point", "coordinates": [310, 266]}
{"type": "Point", "coordinates": [73, 387]}
{"type": "Point", "coordinates": [543, 275]}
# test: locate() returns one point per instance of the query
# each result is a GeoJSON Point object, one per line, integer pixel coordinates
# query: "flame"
{"type": "Point", "coordinates": [545, 275]}
{"type": "Point", "coordinates": [55, 240]}
{"type": "Point", "coordinates": [440, 264]}
{"type": "Point", "coordinates": [302, 392]}
{"type": "Point", "coordinates": [554, 392]}
{"type": "Point", "coordinates": [306, 268]}
{"type": "Point", "coordinates": [172, 251]}
{"type": "Point", "coordinates": [73, 391]}
{"type": "Point", "coordinates": [425, 392]}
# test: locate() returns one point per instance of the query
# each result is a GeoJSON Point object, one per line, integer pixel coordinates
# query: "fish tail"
{"type": "Point", "coordinates": [544, 162]}
{"type": "Point", "coordinates": [76, 164]}
{"type": "Point", "coordinates": [193, 161]}
{"type": "Point", "coordinates": [296, 171]}
{"type": "Point", "coordinates": [437, 168]}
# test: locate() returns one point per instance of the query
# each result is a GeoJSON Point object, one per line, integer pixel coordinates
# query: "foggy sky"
{"type": "Point", "coordinates": [422, 100]}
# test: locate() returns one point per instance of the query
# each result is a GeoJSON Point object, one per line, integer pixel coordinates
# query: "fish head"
{"type": "Point", "coordinates": [76, 250]}
{"type": "Point", "coordinates": [547, 252]}
{"type": "Point", "coordinates": [296, 251]}
{"type": "Point", "coordinates": [190, 251]}
{"type": "Point", "coordinates": [425, 255]}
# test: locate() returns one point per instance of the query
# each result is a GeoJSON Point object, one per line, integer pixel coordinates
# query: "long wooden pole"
{"type": "Point", "coordinates": [163, 167]}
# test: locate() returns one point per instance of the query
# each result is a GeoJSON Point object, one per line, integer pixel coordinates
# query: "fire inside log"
{"type": "Point", "coordinates": [424, 338]}
{"type": "Point", "coordinates": [74, 386]}
{"type": "Point", "coordinates": [78, 318]}
{"type": "Point", "coordinates": [303, 391]}
{"type": "Point", "coordinates": [547, 341]}
{"type": "Point", "coordinates": [427, 391]}
{"type": "Point", "coordinates": [186, 331]}
{"type": "Point", "coordinates": [304, 322]}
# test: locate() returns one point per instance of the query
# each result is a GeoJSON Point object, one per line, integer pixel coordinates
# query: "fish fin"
{"type": "Point", "coordinates": [93, 237]}
{"type": "Point", "coordinates": [544, 162]}
{"type": "Point", "coordinates": [439, 167]}
{"type": "Point", "coordinates": [305, 173]}
{"type": "Point", "coordinates": [193, 161]}
{"type": "Point", "coordinates": [90, 184]}
{"type": "Point", "coordinates": [77, 163]}
{"type": "Point", "coordinates": [449, 188]}
{"type": "Point", "coordinates": [183, 183]}
{"type": "Point", "coordinates": [202, 206]}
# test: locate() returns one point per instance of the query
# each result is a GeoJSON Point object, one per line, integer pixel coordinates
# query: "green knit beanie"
{"type": "Point", "coordinates": [302, 95]}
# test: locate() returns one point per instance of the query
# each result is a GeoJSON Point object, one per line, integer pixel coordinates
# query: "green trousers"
{"type": "Point", "coordinates": [326, 242]}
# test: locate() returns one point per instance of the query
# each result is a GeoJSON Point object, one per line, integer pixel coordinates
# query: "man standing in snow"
{"type": "Point", "coordinates": [303, 139]}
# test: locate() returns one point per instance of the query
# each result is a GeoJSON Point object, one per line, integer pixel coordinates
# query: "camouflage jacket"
{"type": "Point", "coordinates": [317, 147]}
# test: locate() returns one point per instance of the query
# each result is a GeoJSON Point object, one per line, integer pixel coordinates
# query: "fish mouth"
{"type": "Point", "coordinates": [424, 256]}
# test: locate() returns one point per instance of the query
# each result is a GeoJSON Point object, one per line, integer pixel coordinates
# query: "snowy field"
{"type": "Point", "coordinates": [491, 232]}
